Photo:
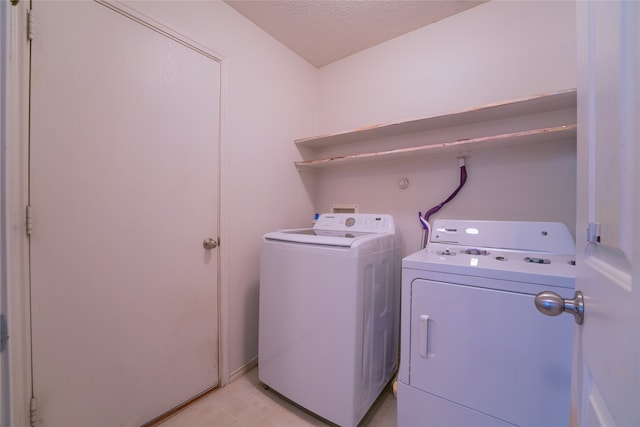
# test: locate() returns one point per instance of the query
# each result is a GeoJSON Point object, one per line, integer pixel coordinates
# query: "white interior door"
{"type": "Point", "coordinates": [124, 189]}
{"type": "Point", "coordinates": [606, 371]}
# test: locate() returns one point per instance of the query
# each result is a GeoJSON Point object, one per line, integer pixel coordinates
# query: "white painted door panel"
{"type": "Point", "coordinates": [606, 371]}
{"type": "Point", "coordinates": [124, 189]}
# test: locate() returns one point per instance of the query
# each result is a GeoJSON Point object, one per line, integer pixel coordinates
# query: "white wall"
{"type": "Point", "coordinates": [270, 95]}
{"type": "Point", "coordinates": [497, 51]}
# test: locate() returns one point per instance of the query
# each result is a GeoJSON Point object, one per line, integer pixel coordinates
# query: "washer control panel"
{"type": "Point", "coordinates": [365, 223]}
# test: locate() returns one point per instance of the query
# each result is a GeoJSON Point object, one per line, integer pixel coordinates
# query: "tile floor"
{"type": "Point", "coordinates": [245, 403]}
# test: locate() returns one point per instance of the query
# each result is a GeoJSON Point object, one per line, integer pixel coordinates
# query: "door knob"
{"type": "Point", "coordinates": [552, 304]}
{"type": "Point", "coordinates": [209, 243]}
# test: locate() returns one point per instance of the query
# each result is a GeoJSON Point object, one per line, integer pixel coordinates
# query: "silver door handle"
{"type": "Point", "coordinates": [209, 244]}
{"type": "Point", "coordinates": [552, 304]}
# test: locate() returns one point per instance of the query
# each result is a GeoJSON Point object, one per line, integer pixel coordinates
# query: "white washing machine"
{"type": "Point", "coordinates": [329, 313]}
{"type": "Point", "coordinates": [475, 351]}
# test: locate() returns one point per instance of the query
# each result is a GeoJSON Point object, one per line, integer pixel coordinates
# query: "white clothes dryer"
{"type": "Point", "coordinates": [475, 351]}
{"type": "Point", "coordinates": [329, 313]}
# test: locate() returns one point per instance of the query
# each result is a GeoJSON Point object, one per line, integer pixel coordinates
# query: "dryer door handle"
{"type": "Point", "coordinates": [423, 339]}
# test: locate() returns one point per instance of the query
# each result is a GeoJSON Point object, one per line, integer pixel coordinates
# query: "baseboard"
{"type": "Point", "coordinates": [243, 369]}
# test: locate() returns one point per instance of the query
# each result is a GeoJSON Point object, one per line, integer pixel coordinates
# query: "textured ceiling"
{"type": "Point", "coordinates": [323, 31]}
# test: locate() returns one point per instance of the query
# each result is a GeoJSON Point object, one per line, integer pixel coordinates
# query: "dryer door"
{"type": "Point", "coordinates": [491, 351]}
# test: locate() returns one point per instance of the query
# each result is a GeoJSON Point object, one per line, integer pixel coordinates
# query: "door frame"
{"type": "Point", "coordinates": [16, 258]}
{"type": "Point", "coordinates": [16, 58]}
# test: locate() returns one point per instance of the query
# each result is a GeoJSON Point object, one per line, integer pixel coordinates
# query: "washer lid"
{"type": "Point", "coordinates": [338, 229]}
{"type": "Point", "coordinates": [314, 236]}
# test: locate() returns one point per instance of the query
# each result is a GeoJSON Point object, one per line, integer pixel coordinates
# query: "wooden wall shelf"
{"type": "Point", "coordinates": [515, 109]}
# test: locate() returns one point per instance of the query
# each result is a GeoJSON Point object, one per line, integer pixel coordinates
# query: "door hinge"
{"type": "Point", "coordinates": [32, 412]}
{"type": "Point", "coordinates": [4, 333]}
{"type": "Point", "coordinates": [29, 220]}
{"type": "Point", "coordinates": [593, 232]}
{"type": "Point", "coordinates": [30, 24]}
